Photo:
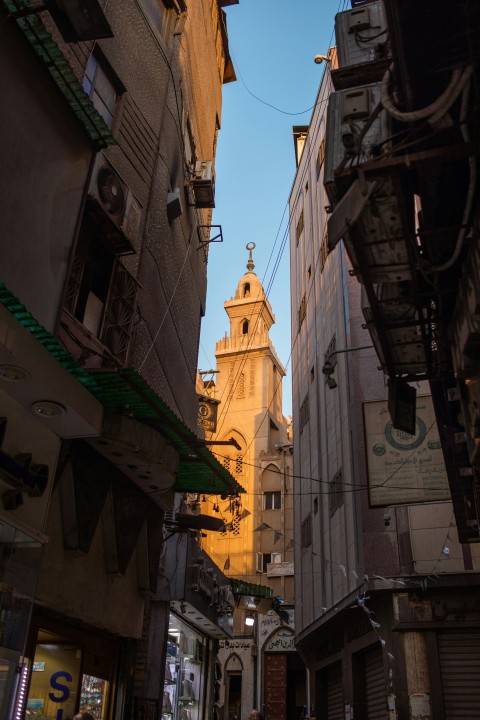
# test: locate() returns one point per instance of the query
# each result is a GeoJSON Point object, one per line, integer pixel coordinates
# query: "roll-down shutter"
{"type": "Point", "coordinates": [459, 656]}
{"type": "Point", "coordinates": [334, 693]}
{"type": "Point", "coordinates": [375, 692]}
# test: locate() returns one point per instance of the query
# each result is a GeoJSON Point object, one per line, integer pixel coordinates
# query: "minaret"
{"type": "Point", "coordinates": [257, 547]}
{"type": "Point", "coordinates": [249, 388]}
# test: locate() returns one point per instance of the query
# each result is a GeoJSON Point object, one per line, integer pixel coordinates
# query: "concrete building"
{"type": "Point", "coordinates": [109, 125]}
{"type": "Point", "coordinates": [387, 621]}
{"type": "Point", "coordinates": [256, 550]}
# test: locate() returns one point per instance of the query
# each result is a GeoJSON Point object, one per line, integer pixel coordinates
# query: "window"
{"type": "Point", "coordinates": [304, 412]}
{"type": "Point", "coordinates": [302, 311]}
{"type": "Point", "coordinates": [320, 156]}
{"type": "Point", "coordinates": [299, 226]}
{"type": "Point", "coordinates": [272, 500]}
{"type": "Point", "coordinates": [245, 327]}
{"type": "Point", "coordinates": [241, 386]}
{"type": "Point", "coordinates": [102, 87]}
{"type": "Point", "coordinates": [306, 531]}
{"type": "Point", "coordinates": [246, 290]}
{"type": "Point", "coordinates": [155, 11]}
{"type": "Point", "coordinates": [324, 250]}
{"type": "Point", "coordinates": [101, 293]}
{"type": "Point", "coordinates": [264, 559]}
{"type": "Point", "coordinates": [335, 492]}
{"type": "Point", "coordinates": [315, 505]}
{"type": "Point", "coordinates": [239, 465]}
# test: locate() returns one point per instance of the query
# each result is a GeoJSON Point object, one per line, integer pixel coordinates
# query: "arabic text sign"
{"type": "Point", "coordinates": [282, 641]}
{"type": "Point", "coordinates": [404, 468]}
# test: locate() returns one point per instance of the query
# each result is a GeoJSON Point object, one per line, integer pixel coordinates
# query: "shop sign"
{"type": "Point", "coordinates": [207, 414]}
{"type": "Point", "coordinates": [235, 644]}
{"type": "Point", "coordinates": [281, 641]}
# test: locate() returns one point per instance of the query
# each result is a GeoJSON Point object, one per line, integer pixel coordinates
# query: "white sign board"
{"type": "Point", "coordinates": [281, 568]}
{"type": "Point", "coordinates": [404, 468]}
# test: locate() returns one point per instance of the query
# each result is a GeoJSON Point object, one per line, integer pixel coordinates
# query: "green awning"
{"type": "Point", "coordinates": [62, 74]}
{"type": "Point", "coordinates": [240, 587]}
{"type": "Point", "coordinates": [126, 393]}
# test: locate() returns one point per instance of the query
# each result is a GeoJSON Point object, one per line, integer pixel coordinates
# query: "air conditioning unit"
{"type": "Point", "coordinates": [115, 207]}
{"type": "Point", "coordinates": [203, 184]}
{"type": "Point", "coordinates": [348, 112]}
{"type": "Point", "coordinates": [361, 35]}
{"type": "Point", "coordinates": [399, 320]}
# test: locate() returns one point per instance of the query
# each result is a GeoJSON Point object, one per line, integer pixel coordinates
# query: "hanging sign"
{"type": "Point", "coordinates": [404, 468]}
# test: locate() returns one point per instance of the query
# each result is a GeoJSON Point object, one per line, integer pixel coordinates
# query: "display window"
{"type": "Point", "coordinates": [185, 672]}
{"type": "Point", "coordinates": [20, 556]}
{"type": "Point", "coordinates": [68, 674]}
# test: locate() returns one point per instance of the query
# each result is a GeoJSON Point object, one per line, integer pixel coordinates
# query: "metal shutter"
{"type": "Point", "coordinates": [375, 691]}
{"type": "Point", "coordinates": [459, 656]}
{"type": "Point", "coordinates": [334, 688]}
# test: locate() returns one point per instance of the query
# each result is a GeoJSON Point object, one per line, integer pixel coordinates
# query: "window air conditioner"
{"type": "Point", "coordinates": [203, 184]}
{"type": "Point", "coordinates": [115, 207]}
{"type": "Point", "coordinates": [348, 111]}
{"type": "Point", "coordinates": [361, 35]}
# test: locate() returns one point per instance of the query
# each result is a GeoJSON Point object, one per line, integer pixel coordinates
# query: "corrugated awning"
{"type": "Point", "coordinates": [240, 587]}
{"type": "Point", "coordinates": [62, 74]}
{"type": "Point", "coordinates": [126, 393]}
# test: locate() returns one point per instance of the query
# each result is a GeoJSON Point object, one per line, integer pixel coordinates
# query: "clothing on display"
{"type": "Point", "coordinates": [167, 702]}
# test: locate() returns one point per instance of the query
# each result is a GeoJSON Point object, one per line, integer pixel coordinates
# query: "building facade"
{"type": "Point", "coordinates": [256, 549]}
{"type": "Point", "coordinates": [387, 624]}
{"type": "Point", "coordinates": [110, 119]}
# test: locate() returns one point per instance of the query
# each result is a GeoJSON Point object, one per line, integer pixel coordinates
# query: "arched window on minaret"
{"type": "Point", "coordinates": [246, 290]}
{"type": "Point", "coordinates": [245, 327]}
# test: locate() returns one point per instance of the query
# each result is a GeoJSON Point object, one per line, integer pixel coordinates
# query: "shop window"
{"type": "Point", "coordinates": [60, 681]}
{"type": "Point", "coordinates": [272, 500]}
{"type": "Point", "coordinates": [185, 672]}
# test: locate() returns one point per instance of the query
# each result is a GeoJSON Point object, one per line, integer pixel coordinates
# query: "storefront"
{"type": "Point", "coordinates": [201, 608]}
{"type": "Point", "coordinates": [70, 668]}
{"type": "Point", "coordinates": [186, 671]}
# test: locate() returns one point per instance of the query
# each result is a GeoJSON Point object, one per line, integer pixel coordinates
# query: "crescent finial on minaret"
{"type": "Point", "coordinates": [250, 264]}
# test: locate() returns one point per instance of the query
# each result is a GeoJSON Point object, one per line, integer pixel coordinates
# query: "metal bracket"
{"type": "Point", "coordinates": [215, 238]}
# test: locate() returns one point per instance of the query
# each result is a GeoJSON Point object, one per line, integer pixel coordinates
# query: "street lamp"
{"type": "Point", "coordinates": [329, 368]}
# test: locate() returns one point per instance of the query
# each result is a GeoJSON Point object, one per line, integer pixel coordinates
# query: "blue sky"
{"type": "Point", "coordinates": [272, 44]}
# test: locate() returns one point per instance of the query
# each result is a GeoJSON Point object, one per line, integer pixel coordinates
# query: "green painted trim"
{"type": "Point", "coordinates": [126, 393]}
{"type": "Point", "coordinates": [241, 587]}
{"type": "Point", "coordinates": [62, 74]}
